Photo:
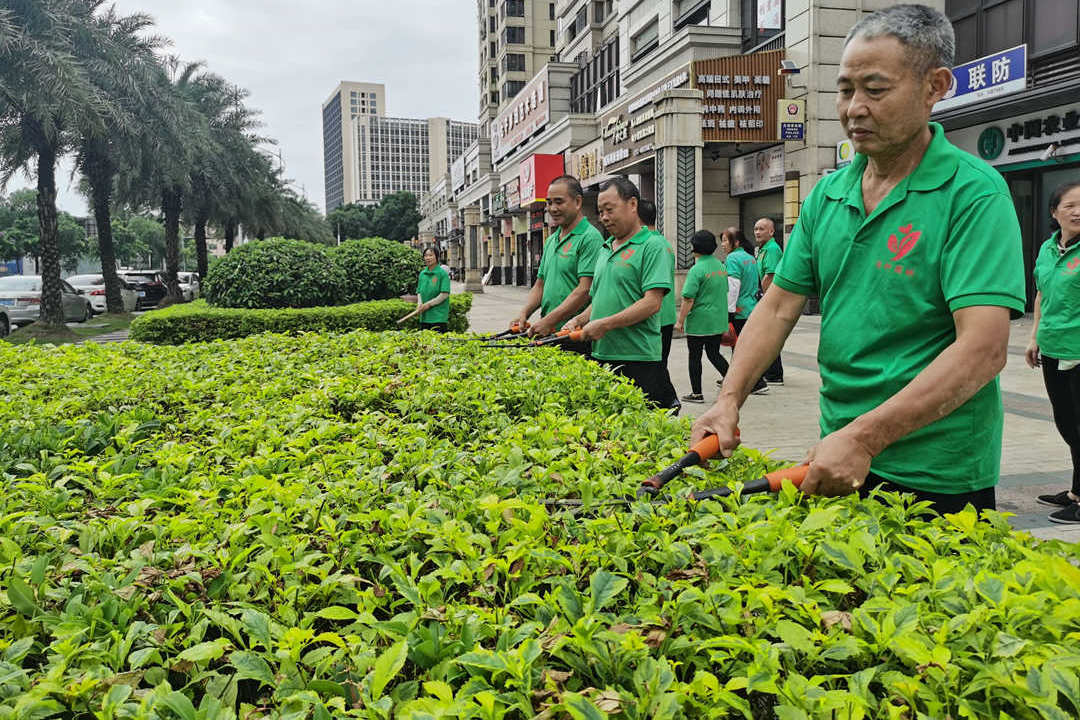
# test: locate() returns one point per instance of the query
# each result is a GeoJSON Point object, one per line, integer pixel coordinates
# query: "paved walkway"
{"type": "Point", "coordinates": [113, 337]}
{"type": "Point", "coordinates": [785, 421]}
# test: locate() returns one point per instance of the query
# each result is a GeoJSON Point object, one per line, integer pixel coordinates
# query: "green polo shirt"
{"type": "Point", "coordinates": [706, 284]}
{"type": "Point", "coordinates": [428, 287]}
{"type": "Point", "coordinates": [944, 239]}
{"type": "Point", "coordinates": [1057, 276]}
{"type": "Point", "coordinates": [566, 260]}
{"type": "Point", "coordinates": [741, 266]}
{"type": "Point", "coordinates": [769, 257]}
{"type": "Point", "coordinates": [668, 315]}
{"type": "Point", "coordinates": [621, 279]}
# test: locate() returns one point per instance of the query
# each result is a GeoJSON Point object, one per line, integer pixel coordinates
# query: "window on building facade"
{"type": "Point", "coordinates": [597, 83]}
{"type": "Point", "coordinates": [491, 23]}
{"type": "Point", "coordinates": [645, 41]}
{"type": "Point", "coordinates": [514, 35]}
{"type": "Point", "coordinates": [691, 12]}
{"type": "Point", "coordinates": [515, 8]}
{"type": "Point", "coordinates": [984, 27]}
{"type": "Point", "coordinates": [513, 62]}
{"type": "Point", "coordinates": [551, 11]}
{"type": "Point", "coordinates": [511, 88]}
{"type": "Point", "coordinates": [752, 35]}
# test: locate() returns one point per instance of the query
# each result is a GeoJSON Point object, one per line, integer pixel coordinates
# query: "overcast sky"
{"type": "Point", "coordinates": [291, 55]}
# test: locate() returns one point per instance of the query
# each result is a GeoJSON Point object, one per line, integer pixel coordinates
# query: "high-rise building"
{"type": "Point", "coordinates": [348, 102]}
{"type": "Point", "coordinates": [517, 38]}
{"type": "Point", "coordinates": [367, 155]}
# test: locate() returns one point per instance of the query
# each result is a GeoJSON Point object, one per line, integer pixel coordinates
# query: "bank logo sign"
{"type": "Point", "coordinates": [995, 75]}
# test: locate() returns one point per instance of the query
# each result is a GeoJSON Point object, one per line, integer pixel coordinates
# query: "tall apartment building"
{"type": "Point", "coordinates": [367, 155]}
{"type": "Point", "coordinates": [348, 102]}
{"type": "Point", "coordinates": [517, 38]}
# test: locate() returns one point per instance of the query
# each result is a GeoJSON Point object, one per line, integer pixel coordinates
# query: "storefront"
{"type": "Point", "coordinates": [757, 180]}
{"type": "Point", "coordinates": [1035, 152]}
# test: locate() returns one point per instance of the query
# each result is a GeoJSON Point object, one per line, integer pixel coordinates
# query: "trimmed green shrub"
{"type": "Point", "coordinates": [198, 322]}
{"type": "Point", "coordinates": [275, 273]}
{"type": "Point", "coordinates": [376, 269]}
{"type": "Point", "coordinates": [354, 526]}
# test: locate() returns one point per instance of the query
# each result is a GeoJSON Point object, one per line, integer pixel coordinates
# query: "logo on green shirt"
{"type": "Point", "coordinates": [625, 257]}
{"type": "Point", "coordinates": [1073, 266]}
{"type": "Point", "coordinates": [899, 247]}
{"type": "Point", "coordinates": [565, 252]}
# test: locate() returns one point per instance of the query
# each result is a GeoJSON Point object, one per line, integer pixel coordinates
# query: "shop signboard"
{"type": "Point", "coordinates": [1039, 136]}
{"type": "Point", "coordinates": [585, 162]}
{"type": "Point", "coordinates": [769, 14]}
{"type": "Point", "coordinates": [535, 174]}
{"type": "Point", "coordinates": [457, 174]}
{"type": "Point", "coordinates": [791, 115]}
{"type": "Point", "coordinates": [629, 130]}
{"type": "Point", "coordinates": [528, 113]}
{"type": "Point", "coordinates": [757, 172]}
{"type": "Point", "coordinates": [512, 190]}
{"type": "Point", "coordinates": [845, 153]}
{"type": "Point", "coordinates": [741, 95]}
{"type": "Point", "coordinates": [989, 77]}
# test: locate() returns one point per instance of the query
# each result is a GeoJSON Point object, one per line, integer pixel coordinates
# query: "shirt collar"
{"type": "Point", "coordinates": [582, 224]}
{"type": "Point", "coordinates": [636, 239]}
{"type": "Point", "coordinates": [937, 167]}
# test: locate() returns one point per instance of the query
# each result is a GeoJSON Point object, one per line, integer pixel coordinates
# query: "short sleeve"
{"type": "Point", "coordinates": [655, 266]}
{"type": "Point", "coordinates": [732, 265]}
{"type": "Point", "coordinates": [542, 270]}
{"type": "Point", "coordinates": [588, 251]}
{"type": "Point", "coordinates": [444, 283]}
{"type": "Point", "coordinates": [419, 283]}
{"type": "Point", "coordinates": [982, 269]}
{"type": "Point", "coordinates": [692, 285]}
{"type": "Point", "coordinates": [795, 271]}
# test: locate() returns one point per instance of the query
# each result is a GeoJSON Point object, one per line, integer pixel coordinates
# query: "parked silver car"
{"type": "Point", "coordinates": [93, 286]}
{"type": "Point", "coordinates": [189, 285]}
{"type": "Point", "coordinates": [20, 296]}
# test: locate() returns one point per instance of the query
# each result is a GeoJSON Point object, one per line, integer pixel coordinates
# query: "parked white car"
{"type": "Point", "coordinates": [20, 296]}
{"type": "Point", "coordinates": [94, 288]}
{"type": "Point", "coordinates": [189, 285]}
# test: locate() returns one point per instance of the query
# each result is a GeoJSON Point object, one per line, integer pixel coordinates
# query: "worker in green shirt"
{"type": "Point", "coordinates": [1055, 335]}
{"type": "Point", "coordinates": [433, 294]}
{"type": "Point", "coordinates": [704, 311]}
{"type": "Point", "coordinates": [743, 286]}
{"type": "Point", "coordinates": [915, 252]}
{"type": "Point", "coordinates": [566, 269]}
{"type": "Point", "coordinates": [629, 284]}
{"type": "Point", "coordinates": [769, 255]}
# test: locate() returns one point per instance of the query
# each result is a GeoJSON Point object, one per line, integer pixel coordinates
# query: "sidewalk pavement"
{"type": "Point", "coordinates": [785, 421]}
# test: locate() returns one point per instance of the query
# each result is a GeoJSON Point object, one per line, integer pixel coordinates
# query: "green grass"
{"type": "Point", "coordinates": [71, 333]}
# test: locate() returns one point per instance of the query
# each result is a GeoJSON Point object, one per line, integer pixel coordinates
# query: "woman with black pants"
{"type": "Point", "coordinates": [704, 311]}
{"type": "Point", "coordinates": [1055, 335]}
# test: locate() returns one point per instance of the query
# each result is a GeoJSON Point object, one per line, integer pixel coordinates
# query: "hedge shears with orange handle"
{"type": "Point", "coordinates": [559, 337]}
{"type": "Point", "coordinates": [516, 331]}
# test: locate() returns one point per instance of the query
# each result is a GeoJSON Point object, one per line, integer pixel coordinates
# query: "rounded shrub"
{"type": "Point", "coordinates": [275, 273]}
{"type": "Point", "coordinates": [376, 268]}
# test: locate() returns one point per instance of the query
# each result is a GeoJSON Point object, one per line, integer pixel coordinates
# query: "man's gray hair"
{"type": "Point", "coordinates": [926, 33]}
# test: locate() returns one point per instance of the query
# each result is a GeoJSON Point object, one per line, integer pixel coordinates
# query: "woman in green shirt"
{"type": "Point", "coordinates": [433, 294]}
{"type": "Point", "coordinates": [745, 283]}
{"type": "Point", "coordinates": [704, 311]}
{"type": "Point", "coordinates": [1055, 335]}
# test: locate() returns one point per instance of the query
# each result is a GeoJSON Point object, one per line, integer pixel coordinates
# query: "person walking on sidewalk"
{"type": "Point", "coordinates": [742, 272]}
{"type": "Point", "coordinates": [704, 314]}
{"type": "Point", "coordinates": [628, 289]}
{"type": "Point", "coordinates": [566, 266]}
{"type": "Point", "coordinates": [915, 303]}
{"type": "Point", "coordinates": [647, 214]}
{"type": "Point", "coordinates": [433, 294]}
{"type": "Point", "coordinates": [1055, 335]}
{"type": "Point", "coordinates": [769, 255]}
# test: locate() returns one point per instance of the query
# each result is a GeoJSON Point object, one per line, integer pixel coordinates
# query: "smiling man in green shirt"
{"type": "Point", "coordinates": [631, 278]}
{"type": "Point", "coordinates": [566, 267]}
{"type": "Point", "coordinates": [769, 256]}
{"type": "Point", "coordinates": [915, 252]}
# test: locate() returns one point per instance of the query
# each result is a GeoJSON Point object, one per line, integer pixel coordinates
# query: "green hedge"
{"type": "Point", "coordinates": [275, 273]}
{"type": "Point", "coordinates": [199, 322]}
{"type": "Point", "coordinates": [352, 526]}
{"type": "Point", "coordinates": [376, 269]}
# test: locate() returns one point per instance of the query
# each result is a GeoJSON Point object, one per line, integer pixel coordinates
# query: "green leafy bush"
{"type": "Point", "coordinates": [275, 273]}
{"type": "Point", "coordinates": [198, 322]}
{"type": "Point", "coordinates": [376, 269]}
{"type": "Point", "coordinates": [352, 526]}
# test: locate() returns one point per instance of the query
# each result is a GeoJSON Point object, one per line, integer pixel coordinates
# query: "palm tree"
{"type": "Point", "coordinates": [128, 73]}
{"type": "Point", "coordinates": [45, 92]}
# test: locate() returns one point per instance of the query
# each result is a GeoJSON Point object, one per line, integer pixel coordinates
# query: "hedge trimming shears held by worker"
{"type": "Point", "coordinates": [559, 337]}
{"type": "Point", "coordinates": [516, 331]}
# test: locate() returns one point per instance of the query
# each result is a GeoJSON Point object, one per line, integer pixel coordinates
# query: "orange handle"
{"type": "Point", "coordinates": [795, 474]}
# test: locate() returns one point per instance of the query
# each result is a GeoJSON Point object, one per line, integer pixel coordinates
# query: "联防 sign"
{"type": "Point", "coordinates": [988, 77]}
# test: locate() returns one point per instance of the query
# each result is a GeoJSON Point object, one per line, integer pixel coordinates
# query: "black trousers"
{"type": "Point", "coordinates": [651, 377]}
{"type": "Point", "coordinates": [1064, 391]}
{"type": "Point", "coordinates": [436, 327]}
{"type": "Point", "coordinates": [666, 331]}
{"type": "Point", "coordinates": [775, 373]}
{"type": "Point", "coordinates": [739, 325]}
{"type": "Point", "coordinates": [985, 499]}
{"type": "Point", "coordinates": [583, 348]}
{"type": "Point", "coordinates": [711, 345]}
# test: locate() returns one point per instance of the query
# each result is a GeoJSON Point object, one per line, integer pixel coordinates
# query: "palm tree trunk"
{"type": "Point", "coordinates": [200, 246]}
{"type": "Point", "coordinates": [230, 235]}
{"type": "Point", "coordinates": [171, 205]}
{"type": "Point", "coordinates": [100, 178]}
{"type": "Point", "coordinates": [52, 302]}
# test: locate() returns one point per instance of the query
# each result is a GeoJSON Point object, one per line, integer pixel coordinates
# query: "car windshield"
{"type": "Point", "coordinates": [31, 283]}
{"type": "Point", "coordinates": [86, 280]}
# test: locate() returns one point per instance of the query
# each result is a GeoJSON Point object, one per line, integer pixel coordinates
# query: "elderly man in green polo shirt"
{"type": "Point", "coordinates": [562, 284]}
{"type": "Point", "coordinates": [769, 256]}
{"type": "Point", "coordinates": [632, 276]}
{"type": "Point", "coordinates": [915, 252]}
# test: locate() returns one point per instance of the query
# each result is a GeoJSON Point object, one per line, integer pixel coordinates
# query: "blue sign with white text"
{"type": "Point", "coordinates": [989, 77]}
